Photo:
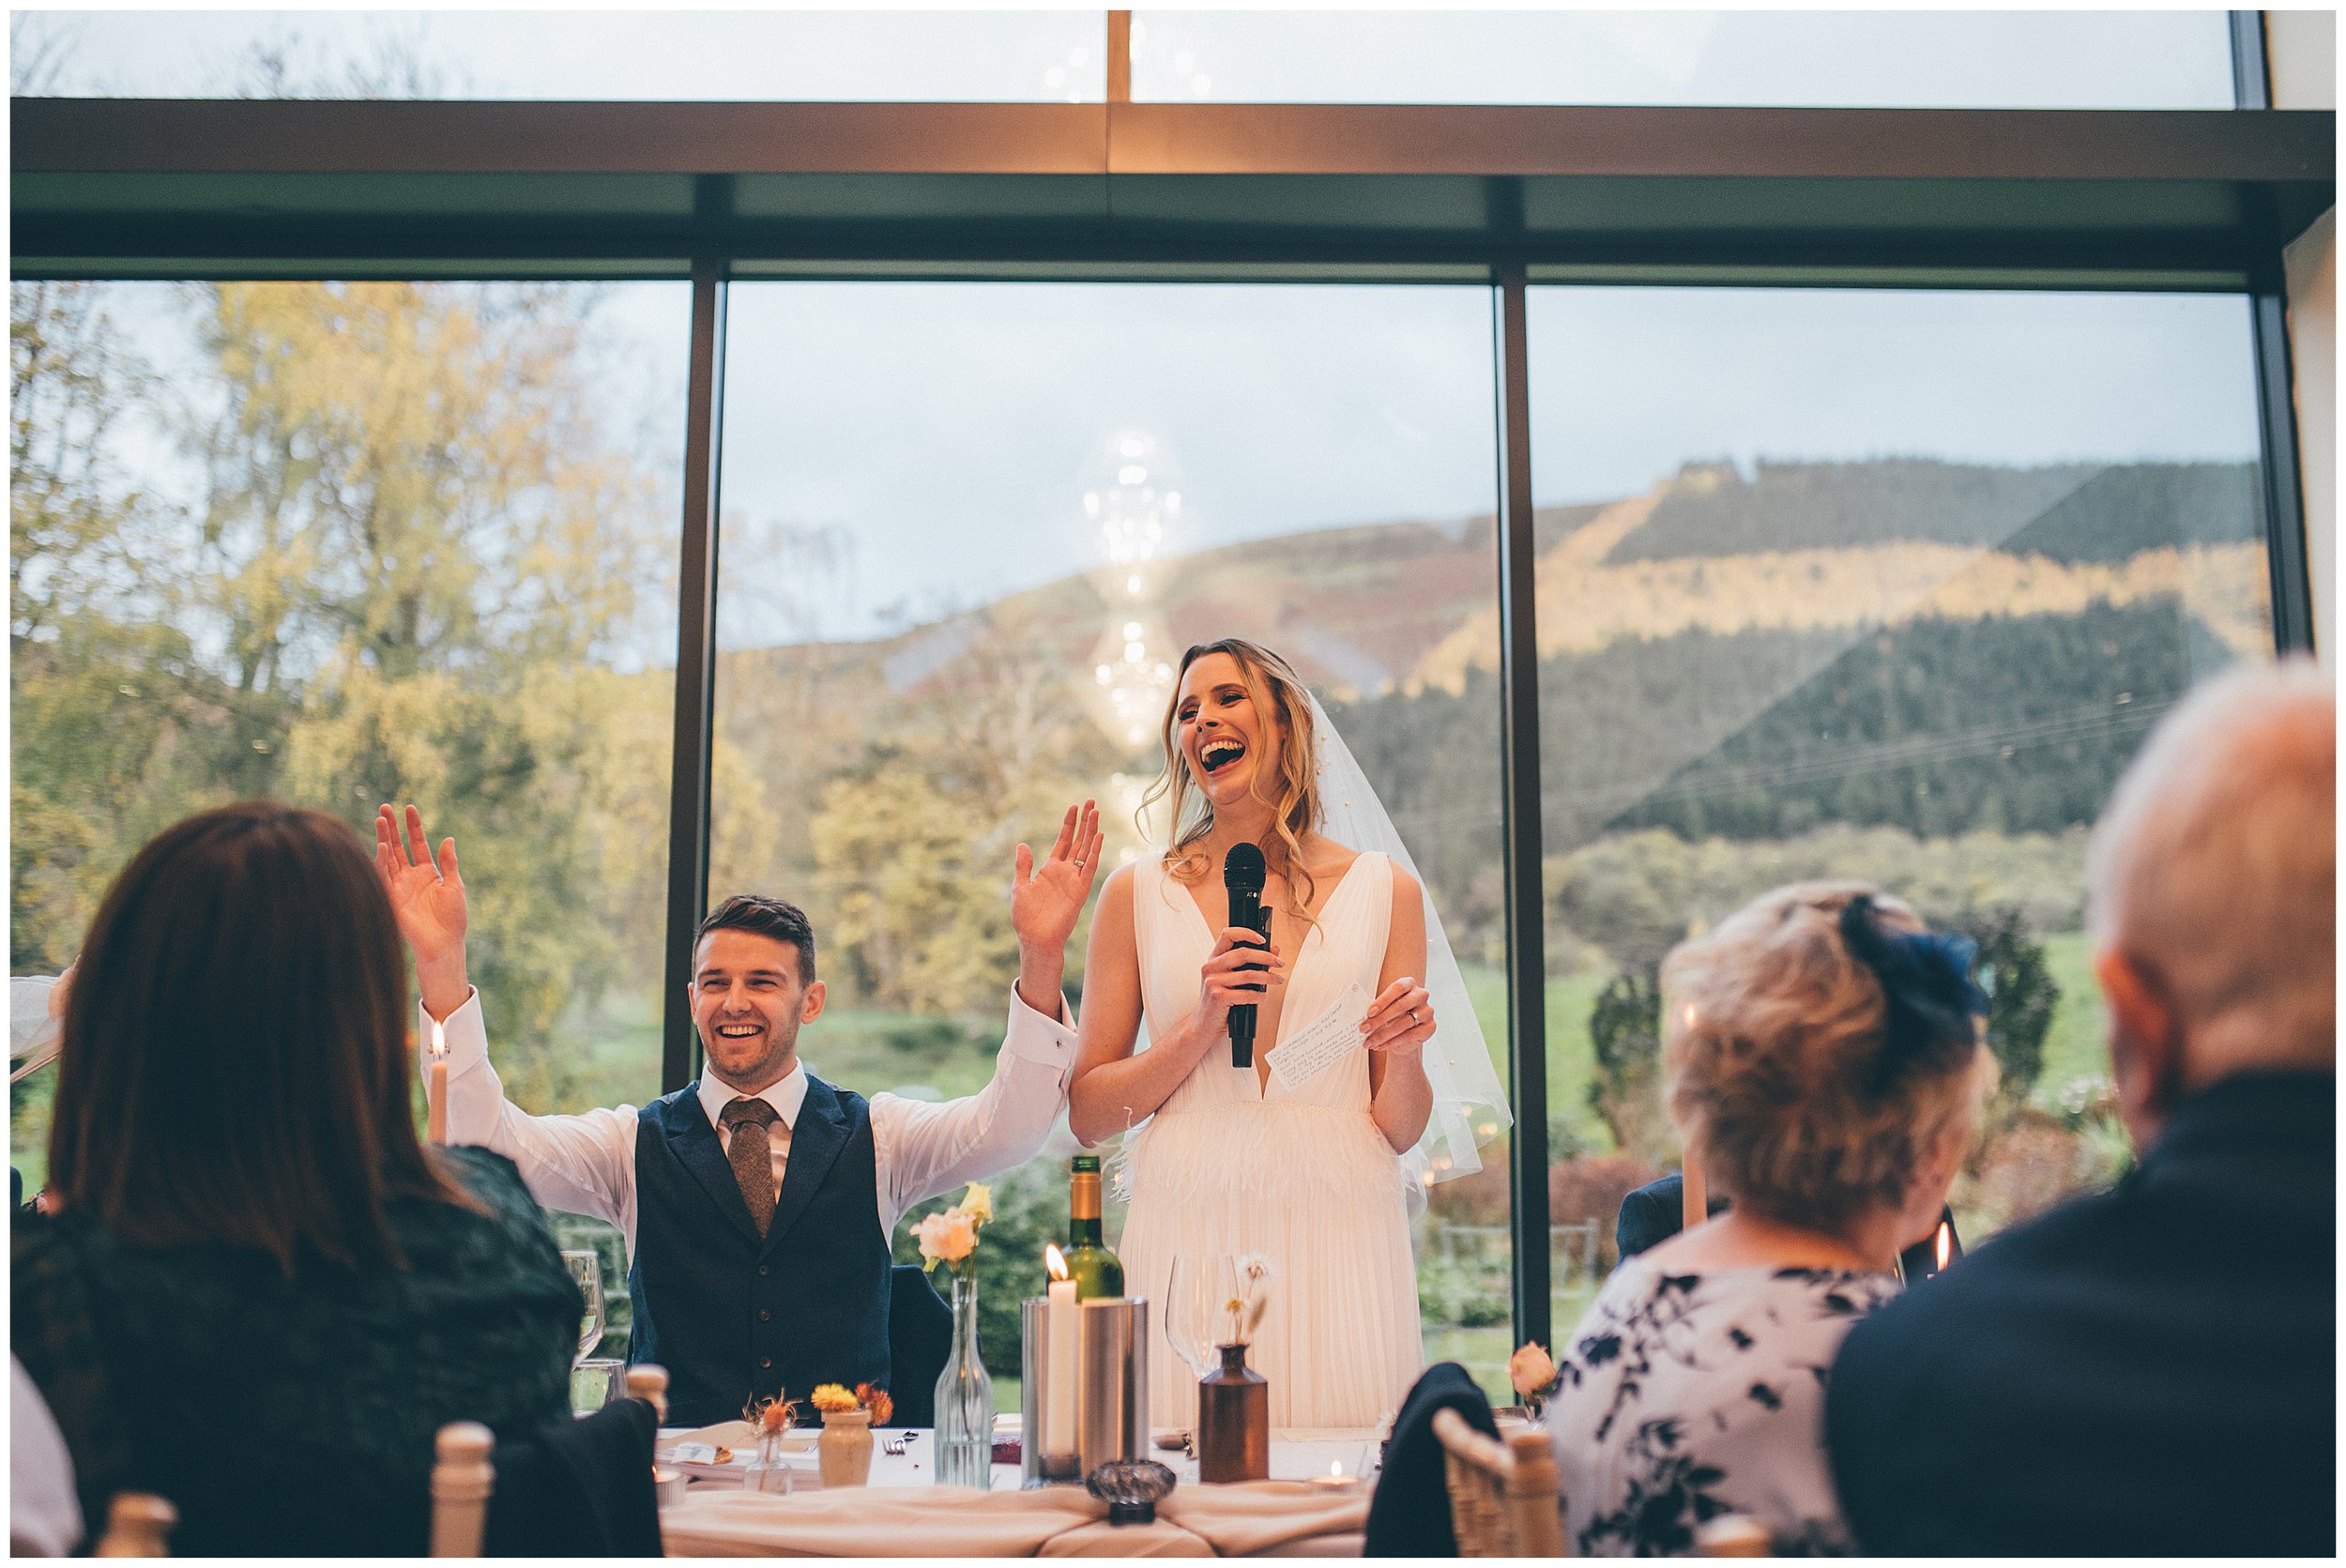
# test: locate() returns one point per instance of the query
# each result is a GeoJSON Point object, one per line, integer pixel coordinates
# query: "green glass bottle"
{"type": "Point", "coordinates": [1089, 1264]}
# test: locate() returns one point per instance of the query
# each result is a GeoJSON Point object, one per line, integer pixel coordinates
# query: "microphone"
{"type": "Point", "coordinates": [1243, 873]}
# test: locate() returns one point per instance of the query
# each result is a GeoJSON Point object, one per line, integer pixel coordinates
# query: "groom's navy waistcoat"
{"type": "Point", "coordinates": [730, 1316]}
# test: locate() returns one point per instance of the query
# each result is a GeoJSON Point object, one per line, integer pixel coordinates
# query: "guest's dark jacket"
{"type": "Point", "coordinates": [2147, 1372]}
{"type": "Point", "coordinates": [1653, 1213]}
{"type": "Point", "coordinates": [295, 1416]}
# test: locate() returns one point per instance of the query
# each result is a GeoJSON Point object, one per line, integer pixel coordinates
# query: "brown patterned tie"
{"type": "Point", "coordinates": [750, 1153]}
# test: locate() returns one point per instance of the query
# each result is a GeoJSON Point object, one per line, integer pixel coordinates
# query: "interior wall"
{"type": "Point", "coordinates": [2301, 50]}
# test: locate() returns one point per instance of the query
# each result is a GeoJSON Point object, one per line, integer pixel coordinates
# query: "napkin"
{"type": "Point", "coordinates": [874, 1521]}
{"type": "Point", "coordinates": [1250, 1517]}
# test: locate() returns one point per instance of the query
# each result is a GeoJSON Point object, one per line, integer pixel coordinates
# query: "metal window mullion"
{"type": "Point", "coordinates": [1519, 753]}
{"type": "Point", "coordinates": [2251, 72]}
{"type": "Point", "coordinates": [2281, 482]}
{"type": "Point", "coordinates": [696, 670]}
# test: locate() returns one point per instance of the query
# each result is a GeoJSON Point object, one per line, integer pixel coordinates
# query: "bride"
{"type": "Point", "coordinates": [1317, 1176]}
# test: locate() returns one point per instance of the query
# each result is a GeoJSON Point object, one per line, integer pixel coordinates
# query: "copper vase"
{"type": "Point", "coordinates": [1233, 1421]}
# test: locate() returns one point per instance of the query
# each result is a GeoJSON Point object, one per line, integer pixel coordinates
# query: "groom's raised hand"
{"type": "Point", "coordinates": [428, 900]}
{"type": "Point", "coordinates": [1046, 900]}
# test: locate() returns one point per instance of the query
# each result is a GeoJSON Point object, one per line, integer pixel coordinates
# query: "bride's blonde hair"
{"type": "Point", "coordinates": [1279, 692]}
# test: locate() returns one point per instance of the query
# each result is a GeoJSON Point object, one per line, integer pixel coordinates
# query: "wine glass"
{"type": "Point", "coordinates": [1197, 1294]}
{"type": "Point", "coordinates": [585, 1269]}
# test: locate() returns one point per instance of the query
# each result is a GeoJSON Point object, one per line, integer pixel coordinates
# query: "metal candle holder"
{"type": "Point", "coordinates": [1111, 1388]}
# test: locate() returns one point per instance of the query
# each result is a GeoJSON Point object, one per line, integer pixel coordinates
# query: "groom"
{"type": "Point", "coordinates": [757, 1202]}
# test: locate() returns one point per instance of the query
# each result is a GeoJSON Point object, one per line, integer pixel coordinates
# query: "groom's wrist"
{"type": "Point", "coordinates": [1041, 971]}
{"type": "Point", "coordinates": [443, 985]}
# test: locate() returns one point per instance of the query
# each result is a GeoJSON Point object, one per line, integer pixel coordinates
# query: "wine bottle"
{"type": "Point", "coordinates": [1094, 1269]}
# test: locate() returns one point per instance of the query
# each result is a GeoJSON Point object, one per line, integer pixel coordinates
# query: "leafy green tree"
{"type": "Point", "coordinates": [1625, 1032]}
{"type": "Point", "coordinates": [2022, 997]}
{"type": "Point", "coordinates": [412, 567]}
{"type": "Point", "coordinates": [912, 845]}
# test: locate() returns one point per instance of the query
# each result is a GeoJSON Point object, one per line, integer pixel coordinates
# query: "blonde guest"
{"type": "Point", "coordinates": [1820, 1060]}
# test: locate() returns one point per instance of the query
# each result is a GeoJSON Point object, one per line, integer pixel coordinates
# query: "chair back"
{"type": "Point", "coordinates": [460, 1479]}
{"type": "Point", "coordinates": [648, 1382]}
{"type": "Point", "coordinates": [920, 1342]}
{"type": "Point", "coordinates": [1503, 1498]}
{"type": "Point", "coordinates": [138, 1524]}
{"type": "Point", "coordinates": [1732, 1535]}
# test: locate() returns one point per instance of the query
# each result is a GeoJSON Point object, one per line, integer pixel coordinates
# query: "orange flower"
{"type": "Point", "coordinates": [834, 1396]}
{"type": "Point", "coordinates": [875, 1399]}
{"type": "Point", "coordinates": [770, 1415]}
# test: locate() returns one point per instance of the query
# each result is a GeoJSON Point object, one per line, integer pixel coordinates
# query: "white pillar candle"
{"type": "Point", "coordinates": [436, 1089]}
{"type": "Point", "coordinates": [1058, 1413]}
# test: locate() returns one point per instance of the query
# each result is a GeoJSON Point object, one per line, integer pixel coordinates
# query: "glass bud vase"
{"type": "Point", "coordinates": [965, 1400]}
{"type": "Point", "coordinates": [769, 1472]}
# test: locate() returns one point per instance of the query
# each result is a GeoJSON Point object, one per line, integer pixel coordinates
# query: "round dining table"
{"type": "Point", "coordinates": [1315, 1504]}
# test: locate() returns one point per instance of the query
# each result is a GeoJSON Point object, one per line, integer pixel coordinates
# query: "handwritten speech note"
{"type": "Point", "coordinates": [1322, 1042]}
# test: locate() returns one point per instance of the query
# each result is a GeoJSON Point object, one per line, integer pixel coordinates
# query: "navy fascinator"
{"type": "Point", "coordinates": [1927, 984]}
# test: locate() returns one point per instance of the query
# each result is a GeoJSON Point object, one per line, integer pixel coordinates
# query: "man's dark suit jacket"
{"type": "Point", "coordinates": [2147, 1372]}
{"type": "Point", "coordinates": [1653, 1213]}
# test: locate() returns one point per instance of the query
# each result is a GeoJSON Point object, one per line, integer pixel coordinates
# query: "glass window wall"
{"type": "Point", "coordinates": [1882, 584]}
{"type": "Point", "coordinates": [345, 543]}
{"type": "Point", "coordinates": [968, 530]}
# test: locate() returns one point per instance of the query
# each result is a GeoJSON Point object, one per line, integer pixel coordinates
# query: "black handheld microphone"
{"type": "Point", "coordinates": [1243, 873]}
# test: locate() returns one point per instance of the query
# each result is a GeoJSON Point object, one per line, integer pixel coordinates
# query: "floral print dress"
{"type": "Point", "coordinates": [1686, 1396]}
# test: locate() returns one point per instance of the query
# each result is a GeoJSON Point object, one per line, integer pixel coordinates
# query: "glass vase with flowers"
{"type": "Point", "coordinates": [965, 1392]}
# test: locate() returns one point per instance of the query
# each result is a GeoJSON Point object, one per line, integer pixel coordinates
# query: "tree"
{"type": "Point", "coordinates": [1625, 1032]}
{"type": "Point", "coordinates": [410, 569]}
{"type": "Point", "coordinates": [912, 843]}
{"type": "Point", "coordinates": [2021, 996]}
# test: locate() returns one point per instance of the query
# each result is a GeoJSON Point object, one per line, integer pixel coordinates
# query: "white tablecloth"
{"type": "Point", "coordinates": [902, 1512]}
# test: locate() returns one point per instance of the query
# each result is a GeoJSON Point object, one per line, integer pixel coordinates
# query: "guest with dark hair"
{"type": "Point", "coordinates": [1820, 1062]}
{"type": "Point", "coordinates": [2150, 1371]}
{"type": "Point", "coordinates": [757, 1200]}
{"type": "Point", "coordinates": [262, 1296]}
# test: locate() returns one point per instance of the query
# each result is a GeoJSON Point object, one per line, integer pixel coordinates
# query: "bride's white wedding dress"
{"type": "Point", "coordinates": [1229, 1165]}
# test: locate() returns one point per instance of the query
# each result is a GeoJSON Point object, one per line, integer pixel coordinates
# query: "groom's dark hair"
{"type": "Point", "coordinates": [761, 916]}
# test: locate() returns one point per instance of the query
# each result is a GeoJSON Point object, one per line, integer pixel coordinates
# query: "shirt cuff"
{"type": "Point", "coordinates": [1035, 1038]}
{"type": "Point", "coordinates": [462, 1031]}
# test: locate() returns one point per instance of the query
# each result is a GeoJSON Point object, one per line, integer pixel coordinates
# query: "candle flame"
{"type": "Point", "coordinates": [1336, 1468]}
{"type": "Point", "coordinates": [439, 1038]}
{"type": "Point", "coordinates": [1946, 1242]}
{"type": "Point", "coordinates": [1055, 1260]}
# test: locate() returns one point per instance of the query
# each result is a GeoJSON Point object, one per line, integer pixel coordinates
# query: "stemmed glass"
{"type": "Point", "coordinates": [1197, 1294]}
{"type": "Point", "coordinates": [585, 1269]}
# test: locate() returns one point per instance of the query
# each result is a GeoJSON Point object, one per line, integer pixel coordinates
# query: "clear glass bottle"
{"type": "Point", "coordinates": [965, 1400]}
{"type": "Point", "coordinates": [1096, 1270]}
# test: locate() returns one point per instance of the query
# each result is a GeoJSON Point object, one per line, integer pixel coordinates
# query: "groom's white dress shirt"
{"type": "Point", "coordinates": [585, 1163]}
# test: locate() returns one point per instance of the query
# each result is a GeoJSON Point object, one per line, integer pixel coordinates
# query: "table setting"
{"type": "Point", "coordinates": [1076, 1470]}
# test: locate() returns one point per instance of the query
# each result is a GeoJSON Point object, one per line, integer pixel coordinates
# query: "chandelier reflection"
{"type": "Point", "coordinates": [1133, 516]}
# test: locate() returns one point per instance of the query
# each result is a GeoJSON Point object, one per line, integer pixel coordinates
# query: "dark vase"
{"type": "Point", "coordinates": [1233, 1421]}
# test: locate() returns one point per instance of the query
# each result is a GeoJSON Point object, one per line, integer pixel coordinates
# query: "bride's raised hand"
{"type": "Point", "coordinates": [1242, 967]}
{"type": "Point", "coordinates": [1401, 1018]}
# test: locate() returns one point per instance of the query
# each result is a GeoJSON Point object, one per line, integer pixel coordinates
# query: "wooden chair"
{"type": "Point", "coordinates": [1732, 1535]}
{"type": "Point", "coordinates": [461, 1480]}
{"type": "Point", "coordinates": [138, 1524]}
{"type": "Point", "coordinates": [463, 1477]}
{"type": "Point", "coordinates": [1503, 1498]}
{"type": "Point", "coordinates": [650, 1383]}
